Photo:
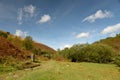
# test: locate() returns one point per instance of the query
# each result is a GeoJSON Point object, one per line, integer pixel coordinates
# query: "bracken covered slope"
{"type": "Point", "coordinates": [11, 45]}
{"type": "Point", "coordinates": [8, 49]}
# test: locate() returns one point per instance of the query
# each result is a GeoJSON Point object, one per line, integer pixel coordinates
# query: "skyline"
{"type": "Point", "coordinates": [61, 23]}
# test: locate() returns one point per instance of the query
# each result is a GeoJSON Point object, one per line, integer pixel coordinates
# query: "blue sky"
{"type": "Point", "coordinates": [61, 23]}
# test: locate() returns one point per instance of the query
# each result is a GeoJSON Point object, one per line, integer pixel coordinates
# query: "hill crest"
{"type": "Point", "coordinates": [11, 45]}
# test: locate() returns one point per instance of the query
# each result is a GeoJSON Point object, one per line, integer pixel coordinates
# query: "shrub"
{"type": "Point", "coordinates": [28, 43]}
{"type": "Point", "coordinates": [6, 69]}
{"type": "Point", "coordinates": [117, 61]}
{"type": "Point", "coordinates": [47, 54]}
{"type": "Point", "coordinates": [37, 51]}
{"type": "Point", "coordinates": [98, 53]}
{"type": "Point", "coordinates": [3, 34]}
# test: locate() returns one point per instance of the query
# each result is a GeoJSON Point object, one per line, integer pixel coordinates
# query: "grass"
{"type": "Point", "coordinates": [54, 70]}
{"type": "Point", "coordinates": [7, 69]}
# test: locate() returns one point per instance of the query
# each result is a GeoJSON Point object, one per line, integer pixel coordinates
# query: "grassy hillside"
{"type": "Point", "coordinates": [12, 51]}
{"type": "Point", "coordinates": [112, 41]}
{"type": "Point", "coordinates": [53, 70]}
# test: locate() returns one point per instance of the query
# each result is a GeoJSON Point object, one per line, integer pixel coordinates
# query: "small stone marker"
{"type": "Point", "coordinates": [32, 57]}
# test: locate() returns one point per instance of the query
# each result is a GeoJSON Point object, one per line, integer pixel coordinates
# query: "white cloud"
{"type": "Point", "coordinates": [21, 33]}
{"type": "Point", "coordinates": [98, 15]}
{"type": "Point", "coordinates": [111, 29]}
{"type": "Point", "coordinates": [20, 16]}
{"type": "Point", "coordinates": [83, 35]}
{"type": "Point", "coordinates": [30, 10]}
{"type": "Point", "coordinates": [66, 46]}
{"type": "Point", "coordinates": [112, 34]}
{"type": "Point", "coordinates": [25, 13]}
{"type": "Point", "coordinates": [45, 18]}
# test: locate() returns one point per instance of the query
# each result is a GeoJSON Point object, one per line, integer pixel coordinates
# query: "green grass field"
{"type": "Point", "coordinates": [53, 70]}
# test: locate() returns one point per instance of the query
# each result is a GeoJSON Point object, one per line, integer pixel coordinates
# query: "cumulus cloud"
{"type": "Point", "coordinates": [30, 10]}
{"type": "Point", "coordinates": [111, 29]}
{"type": "Point", "coordinates": [21, 33]}
{"type": "Point", "coordinates": [20, 16]}
{"type": "Point", "coordinates": [83, 35]}
{"type": "Point", "coordinates": [45, 18]}
{"type": "Point", "coordinates": [98, 15]}
{"type": "Point", "coordinates": [26, 12]}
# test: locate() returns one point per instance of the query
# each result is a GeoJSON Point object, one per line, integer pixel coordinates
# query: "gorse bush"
{"type": "Point", "coordinates": [97, 53]}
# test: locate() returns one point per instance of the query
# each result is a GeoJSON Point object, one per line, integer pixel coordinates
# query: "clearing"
{"type": "Point", "coordinates": [55, 70]}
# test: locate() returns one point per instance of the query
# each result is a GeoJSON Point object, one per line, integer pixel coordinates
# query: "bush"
{"type": "Point", "coordinates": [47, 54]}
{"type": "Point", "coordinates": [117, 61]}
{"type": "Point", "coordinates": [37, 51]}
{"type": "Point", "coordinates": [3, 34]}
{"type": "Point", "coordinates": [28, 43]}
{"type": "Point", "coordinates": [97, 53]}
{"type": "Point", "coordinates": [65, 53]}
{"type": "Point", "coordinates": [6, 60]}
{"type": "Point", "coordinates": [6, 69]}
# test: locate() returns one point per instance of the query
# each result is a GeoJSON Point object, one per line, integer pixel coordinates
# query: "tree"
{"type": "Point", "coordinates": [98, 53]}
{"type": "Point", "coordinates": [37, 51]}
{"type": "Point", "coordinates": [117, 60]}
{"type": "Point", "coordinates": [28, 43]}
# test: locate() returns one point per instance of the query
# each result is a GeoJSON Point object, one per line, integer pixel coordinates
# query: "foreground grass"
{"type": "Point", "coordinates": [53, 70]}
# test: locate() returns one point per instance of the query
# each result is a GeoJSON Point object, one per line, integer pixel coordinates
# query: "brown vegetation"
{"type": "Point", "coordinates": [44, 47]}
{"type": "Point", "coordinates": [8, 49]}
{"type": "Point", "coordinates": [12, 49]}
{"type": "Point", "coordinates": [112, 41]}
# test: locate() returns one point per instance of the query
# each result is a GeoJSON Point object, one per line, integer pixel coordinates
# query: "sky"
{"type": "Point", "coordinates": [61, 23]}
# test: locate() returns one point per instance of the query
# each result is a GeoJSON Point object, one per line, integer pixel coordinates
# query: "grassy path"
{"type": "Point", "coordinates": [53, 70]}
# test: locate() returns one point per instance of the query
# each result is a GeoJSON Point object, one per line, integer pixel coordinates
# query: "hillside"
{"type": "Point", "coordinates": [8, 49]}
{"type": "Point", "coordinates": [44, 47]}
{"type": "Point", "coordinates": [112, 41]}
{"type": "Point", "coordinates": [12, 46]}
